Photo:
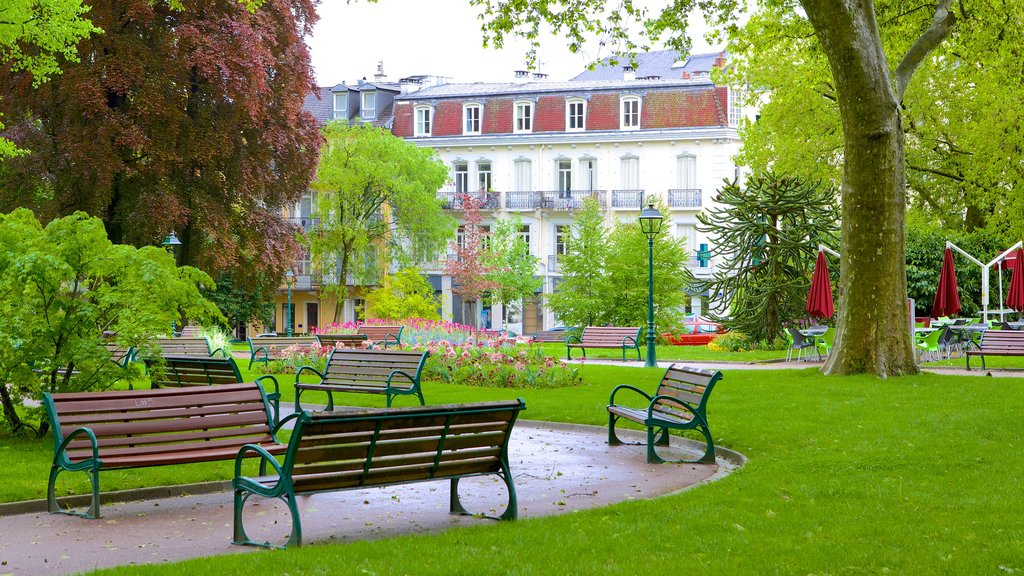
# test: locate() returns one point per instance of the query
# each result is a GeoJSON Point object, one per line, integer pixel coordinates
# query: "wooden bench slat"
{"type": "Point", "coordinates": [226, 394]}
{"type": "Point", "coordinates": [101, 417]}
{"type": "Point", "coordinates": [178, 425]}
{"type": "Point", "coordinates": [392, 447]}
{"type": "Point", "coordinates": [401, 462]}
{"type": "Point", "coordinates": [154, 449]}
{"type": "Point", "coordinates": [143, 442]}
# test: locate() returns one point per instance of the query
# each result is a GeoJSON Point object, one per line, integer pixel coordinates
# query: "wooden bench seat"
{"type": "Point", "coordinates": [95, 431]}
{"type": "Point", "coordinates": [262, 348]}
{"type": "Point", "coordinates": [997, 343]}
{"type": "Point", "coordinates": [341, 340]}
{"type": "Point", "coordinates": [604, 337]}
{"type": "Point", "coordinates": [680, 403]}
{"type": "Point", "coordinates": [387, 372]}
{"type": "Point", "coordinates": [356, 449]}
{"type": "Point", "coordinates": [382, 335]}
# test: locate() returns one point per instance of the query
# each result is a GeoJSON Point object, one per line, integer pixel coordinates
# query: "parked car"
{"type": "Point", "coordinates": [696, 332]}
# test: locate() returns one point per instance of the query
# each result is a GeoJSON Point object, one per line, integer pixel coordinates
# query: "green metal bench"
{"type": "Point", "coordinates": [262, 347]}
{"type": "Point", "coordinates": [679, 404]}
{"type": "Point", "coordinates": [96, 431]}
{"type": "Point", "coordinates": [389, 372]}
{"type": "Point", "coordinates": [187, 371]}
{"type": "Point", "coordinates": [382, 335]}
{"type": "Point", "coordinates": [341, 340]}
{"type": "Point", "coordinates": [382, 447]}
{"type": "Point", "coordinates": [997, 343]}
{"type": "Point", "coordinates": [183, 347]}
{"type": "Point", "coordinates": [604, 337]}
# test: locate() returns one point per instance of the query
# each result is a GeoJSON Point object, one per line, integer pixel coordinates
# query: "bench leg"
{"type": "Point", "coordinates": [51, 497]}
{"type": "Point", "coordinates": [613, 439]}
{"type": "Point", "coordinates": [241, 538]}
{"type": "Point", "coordinates": [456, 508]}
{"type": "Point", "coordinates": [568, 353]}
{"type": "Point", "coordinates": [652, 456]}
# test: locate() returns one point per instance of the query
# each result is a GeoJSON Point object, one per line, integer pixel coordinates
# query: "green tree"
{"type": "Point", "coordinates": [510, 266]}
{"type": "Point", "coordinates": [406, 294]}
{"type": "Point", "coordinates": [579, 299]}
{"type": "Point", "coordinates": [62, 287]}
{"type": "Point", "coordinates": [244, 303]}
{"type": "Point", "coordinates": [378, 206]}
{"type": "Point", "coordinates": [469, 270]}
{"type": "Point", "coordinates": [869, 94]}
{"type": "Point", "coordinates": [766, 235]}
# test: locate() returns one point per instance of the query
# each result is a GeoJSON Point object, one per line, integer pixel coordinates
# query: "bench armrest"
{"type": "Point", "coordinates": [611, 399]}
{"type": "Point", "coordinates": [222, 351]}
{"type": "Point", "coordinates": [569, 338]}
{"type": "Point", "coordinates": [676, 401]}
{"type": "Point", "coordinates": [627, 339]}
{"type": "Point", "coordinates": [412, 380]}
{"type": "Point", "coordinates": [309, 368]}
{"type": "Point", "coordinates": [274, 397]}
{"type": "Point", "coordinates": [261, 452]}
{"type": "Point", "coordinates": [60, 455]}
{"type": "Point", "coordinates": [264, 349]}
{"type": "Point", "coordinates": [286, 420]}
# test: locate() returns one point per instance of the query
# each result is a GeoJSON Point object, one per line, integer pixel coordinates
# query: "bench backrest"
{"type": "Point", "coordinates": [183, 346]}
{"type": "Point", "coordinates": [178, 371]}
{"type": "Point", "coordinates": [190, 331]}
{"type": "Point", "coordinates": [277, 343]}
{"type": "Point", "coordinates": [129, 421]}
{"type": "Point", "coordinates": [610, 336]}
{"type": "Point", "coordinates": [340, 340]}
{"type": "Point", "coordinates": [371, 368]}
{"type": "Point", "coordinates": [690, 385]}
{"type": "Point", "coordinates": [331, 451]}
{"type": "Point", "coordinates": [391, 334]}
{"type": "Point", "coordinates": [1003, 340]}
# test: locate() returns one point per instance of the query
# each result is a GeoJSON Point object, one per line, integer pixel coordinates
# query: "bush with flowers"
{"type": "Point", "coordinates": [289, 360]}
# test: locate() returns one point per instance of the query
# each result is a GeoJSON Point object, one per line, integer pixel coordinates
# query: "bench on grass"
{"type": "Point", "coordinates": [263, 347]}
{"type": "Point", "coordinates": [184, 347]}
{"type": "Point", "coordinates": [998, 343]}
{"type": "Point", "coordinates": [96, 431]}
{"type": "Point", "coordinates": [190, 331]}
{"type": "Point", "coordinates": [604, 337]}
{"type": "Point", "coordinates": [680, 403]}
{"type": "Point", "coordinates": [362, 448]}
{"type": "Point", "coordinates": [382, 335]}
{"type": "Point", "coordinates": [387, 372]}
{"type": "Point", "coordinates": [187, 371]}
{"type": "Point", "coordinates": [341, 340]}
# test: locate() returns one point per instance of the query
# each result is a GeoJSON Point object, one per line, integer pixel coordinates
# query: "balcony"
{"type": "Point", "coordinates": [627, 199]}
{"type": "Point", "coordinates": [554, 264]}
{"type": "Point", "coordinates": [564, 200]}
{"type": "Point", "coordinates": [454, 200]}
{"type": "Point", "coordinates": [705, 271]}
{"type": "Point", "coordinates": [684, 198]}
{"type": "Point", "coordinates": [304, 222]}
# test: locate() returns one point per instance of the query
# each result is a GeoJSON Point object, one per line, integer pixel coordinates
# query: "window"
{"type": "Point", "coordinates": [561, 239]}
{"type": "Point", "coordinates": [524, 174]}
{"type": "Point", "coordinates": [735, 109]}
{"type": "Point", "coordinates": [341, 106]}
{"type": "Point", "coordinates": [524, 117]}
{"type": "Point", "coordinates": [460, 236]}
{"type": "Point", "coordinates": [424, 115]}
{"type": "Point", "coordinates": [630, 113]}
{"type": "Point", "coordinates": [588, 174]}
{"type": "Point", "coordinates": [564, 174]}
{"type": "Point", "coordinates": [524, 234]}
{"type": "Point", "coordinates": [483, 176]}
{"type": "Point", "coordinates": [688, 234]}
{"type": "Point", "coordinates": [575, 115]}
{"type": "Point", "coordinates": [686, 171]}
{"type": "Point", "coordinates": [630, 173]}
{"type": "Point", "coordinates": [368, 111]}
{"type": "Point", "coordinates": [461, 177]}
{"type": "Point", "coordinates": [471, 119]}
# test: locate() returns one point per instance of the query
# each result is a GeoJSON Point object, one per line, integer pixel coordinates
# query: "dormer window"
{"type": "Point", "coordinates": [341, 105]}
{"type": "Point", "coordinates": [575, 114]}
{"type": "Point", "coordinates": [424, 119]}
{"type": "Point", "coordinates": [471, 119]}
{"type": "Point", "coordinates": [524, 117]}
{"type": "Point", "coordinates": [368, 111]}
{"type": "Point", "coordinates": [630, 118]}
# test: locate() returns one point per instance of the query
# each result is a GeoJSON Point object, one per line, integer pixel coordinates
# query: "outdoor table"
{"type": "Point", "coordinates": [814, 330]}
{"type": "Point", "coordinates": [1016, 325]}
{"type": "Point", "coordinates": [964, 332]}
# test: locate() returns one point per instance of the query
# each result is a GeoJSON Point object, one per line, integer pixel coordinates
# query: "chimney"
{"type": "Point", "coordinates": [522, 76]}
{"type": "Point", "coordinates": [720, 61]}
{"type": "Point", "coordinates": [411, 84]}
{"type": "Point", "coordinates": [628, 73]}
{"type": "Point", "coordinates": [380, 76]}
{"type": "Point", "coordinates": [540, 76]}
{"type": "Point", "coordinates": [685, 75]}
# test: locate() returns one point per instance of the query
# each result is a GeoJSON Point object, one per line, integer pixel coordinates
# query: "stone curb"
{"type": "Point", "coordinates": [728, 460]}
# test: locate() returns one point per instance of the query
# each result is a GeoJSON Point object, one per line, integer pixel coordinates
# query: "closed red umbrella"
{"type": "Point", "coordinates": [947, 297]}
{"type": "Point", "coordinates": [1015, 298]}
{"type": "Point", "coordinates": [819, 300]}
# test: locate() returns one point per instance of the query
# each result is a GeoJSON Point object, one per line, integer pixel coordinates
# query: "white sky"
{"type": "Point", "coordinates": [436, 38]}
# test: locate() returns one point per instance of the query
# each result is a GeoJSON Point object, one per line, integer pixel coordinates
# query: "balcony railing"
{"type": "Point", "coordinates": [554, 264]}
{"type": "Point", "coordinates": [552, 200]}
{"type": "Point", "coordinates": [454, 200]}
{"type": "Point", "coordinates": [304, 222]}
{"type": "Point", "coordinates": [628, 199]}
{"type": "Point", "coordinates": [684, 198]}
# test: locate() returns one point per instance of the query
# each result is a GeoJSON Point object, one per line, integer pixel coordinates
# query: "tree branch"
{"type": "Point", "coordinates": [942, 25]}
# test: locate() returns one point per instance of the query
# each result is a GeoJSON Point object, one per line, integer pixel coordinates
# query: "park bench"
{"type": "Point", "coordinates": [604, 337]}
{"type": "Point", "coordinates": [263, 347]}
{"type": "Point", "coordinates": [332, 451]}
{"type": "Point", "coordinates": [184, 347]}
{"type": "Point", "coordinates": [387, 372]}
{"type": "Point", "coordinates": [998, 343]}
{"type": "Point", "coordinates": [96, 431]}
{"type": "Point", "coordinates": [190, 331]}
{"type": "Point", "coordinates": [186, 371]}
{"type": "Point", "coordinates": [341, 340]}
{"type": "Point", "coordinates": [383, 335]}
{"type": "Point", "coordinates": [680, 403]}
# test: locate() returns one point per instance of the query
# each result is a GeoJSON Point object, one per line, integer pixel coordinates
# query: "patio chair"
{"type": "Point", "coordinates": [823, 344]}
{"type": "Point", "coordinates": [930, 344]}
{"type": "Point", "coordinates": [798, 342]}
{"type": "Point", "coordinates": [950, 340]}
{"type": "Point", "coordinates": [1005, 326]}
{"type": "Point", "coordinates": [960, 322]}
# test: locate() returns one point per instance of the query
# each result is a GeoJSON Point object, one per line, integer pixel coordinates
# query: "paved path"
{"type": "Point", "coordinates": [726, 366]}
{"type": "Point", "coordinates": [558, 468]}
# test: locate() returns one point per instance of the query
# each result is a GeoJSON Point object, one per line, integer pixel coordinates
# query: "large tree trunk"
{"type": "Point", "coordinates": [873, 334]}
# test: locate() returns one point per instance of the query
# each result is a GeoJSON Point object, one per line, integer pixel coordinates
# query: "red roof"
{"type": "Point", "coordinates": [447, 118]}
{"type": "Point", "coordinates": [549, 114]}
{"type": "Point", "coordinates": [603, 112]}
{"type": "Point", "coordinates": [497, 116]}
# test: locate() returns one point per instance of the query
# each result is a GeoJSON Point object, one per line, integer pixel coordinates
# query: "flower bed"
{"type": "Point", "coordinates": [290, 359]}
{"type": "Point", "coordinates": [496, 364]}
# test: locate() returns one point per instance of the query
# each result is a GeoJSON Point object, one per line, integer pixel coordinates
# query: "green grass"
{"type": "Point", "coordinates": [846, 476]}
{"type": "Point", "coordinates": [990, 362]}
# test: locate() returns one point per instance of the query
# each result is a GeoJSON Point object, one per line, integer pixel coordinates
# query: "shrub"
{"type": "Point", "coordinates": [497, 365]}
{"type": "Point", "coordinates": [218, 339]}
{"type": "Point", "coordinates": [290, 359]}
{"type": "Point", "coordinates": [732, 342]}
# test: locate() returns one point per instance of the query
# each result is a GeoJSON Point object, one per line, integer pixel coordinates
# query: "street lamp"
{"type": "Point", "coordinates": [171, 244]}
{"type": "Point", "coordinates": [650, 225]}
{"type": "Point", "coordinates": [289, 278]}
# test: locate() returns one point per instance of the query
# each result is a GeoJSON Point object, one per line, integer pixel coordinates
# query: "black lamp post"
{"type": "Point", "coordinates": [289, 278]}
{"type": "Point", "coordinates": [650, 224]}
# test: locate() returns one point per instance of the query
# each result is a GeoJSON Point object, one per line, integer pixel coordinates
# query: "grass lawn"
{"type": "Point", "coordinates": [846, 476]}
